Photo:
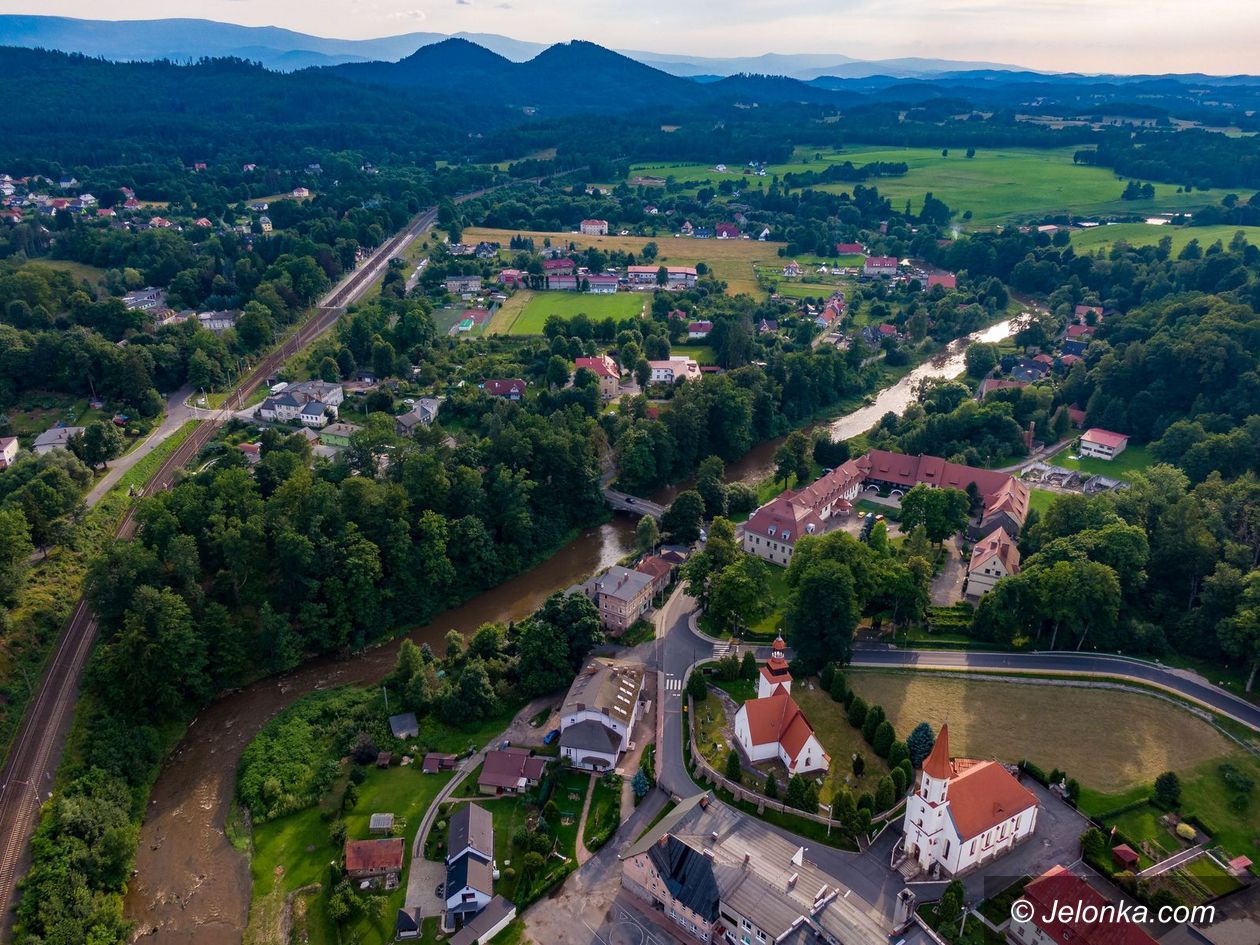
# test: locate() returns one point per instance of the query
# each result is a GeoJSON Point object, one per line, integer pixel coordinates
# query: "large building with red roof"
{"type": "Point", "coordinates": [1066, 910]}
{"type": "Point", "coordinates": [1103, 444]}
{"type": "Point", "coordinates": [965, 813]}
{"type": "Point", "coordinates": [993, 558]}
{"type": "Point", "coordinates": [772, 727]}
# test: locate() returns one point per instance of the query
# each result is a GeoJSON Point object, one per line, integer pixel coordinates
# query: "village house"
{"type": "Point", "coordinates": [512, 277]}
{"type": "Point", "coordinates": [469, 864]}
{"type": "Point", "coordinates": [680, 276]}
{"type": "Point", "coordinates": [375, 862]}
{"type": "Point", "coordinates": [605, 369]}
{"type": "Point", "coordinates": [332, 395]}
{"type": "Point", "coordinates": [772, 727]}
{"type": "Point", "coordinates": [599, 712]}
{"type": "Point", "coordinates": [676, 368]}
{"type": "Point", "coordinates": [593, 227]}
{"type": "Point", "coordinates": [510, 771]}
{"type": "Point", "coordinates": [145, 300]}
{"type": "Point", "coordinates": [422, 413]}
{"type": "Point", "coordinates": [560, 266]}
{"type": "Point", "coordinates": [338, 434]}
{"type": "Point", "coordinates": [1029, 369]}
{"type": "Point", "coordinates": [8, 451]}
{"type": "Point", "coordinates": [264, 224]}
{"type": "Point", "coordinates": [879, 267]}
{"type": "Point", "coordinates": [300, 192]}
{"type": "Point", "coordinates": [721, 877]}
{"type": "Point", "coordinates": [946, 280]}
{"type": "Point", "coordinates": [622, 596]}
{"type": "Point", "coordinates": [486, 924]}
{"type": "Point", "coordinates": [1084, 921]}
{"type": "Point", "coordinates": [458, 285]}
{"type": "Point", "coordinates": [562, 282]}
{"type": "Point", "coordinates": [601, 285]}
{"type": "Point", "coordinates": [698, 331]}
{"type": "Point", "coordinates": [659, 570]}
{"type": "Point", "coordinates": [314, 414]}
{"type": "Point", "coordinates": [850, 249]}
{"type": "Point", "coordinates": [217, 322]}
{"type": "Point", "coordinates": [642, 275]}
{"type": "Point", "coordinates": [1103, 444]}
{"type": "Point", "coordinates": [992, 559]}
{"type": "Point", "coordinates": [512, 388]}
{"type": "Point", "coordinates": [990, 384]}
{"type": "Point", "coordinates": [727, 231]}
{"type": "Point", "coordinates": [58, 438]}
{"type": "Point", "coordinates": [1082, 312]}
{"type": "Point", "coordinates": [792, 269]}
{"type": "Point", "coordinates": [965, 813]}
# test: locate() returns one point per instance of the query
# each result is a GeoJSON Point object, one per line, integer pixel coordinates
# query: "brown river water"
{"type": "Point", "coordinates": [191, 887]}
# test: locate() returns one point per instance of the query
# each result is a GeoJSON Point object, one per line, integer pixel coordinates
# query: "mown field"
{"type": "Point", "coordinates": [1108, 740]}
{"type": "Point", "coordinates": [732, 261]}
{"type": "Point", "coordinates": [1146, 234]}
{"type": "Point", "coordinates": [541, 305]}
{"type": "Point", "coordinates": [1133, 459]}
{"type": "Point", "coordinates": [996, 185]}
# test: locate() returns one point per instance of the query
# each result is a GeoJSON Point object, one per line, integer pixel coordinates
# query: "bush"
{"type": "Point", "coordinates": [697, 688]}
{"type": "Point", "coordinates": [884, 738]}
{"type": "Point", "coordinates": [1167, 790]}
{"type": "Point", "coordinates": [838, 688]}
{"type": "Point", "coordinates": [734, 770]}
{"type": "Point", "coordinates": [899, 781]}
{"type": "Point", "coordinates": [897, 753]}
{"type": "Point", "coordinates": [859, 765]}
{"type": "Point", "coordinates": [866, 802]}
{"type": "Point", "coordinates": [772, 787]}
{"type": "Point", "coordinates": [920, 743]}
{"type": "Point", "coordinates": [857, 712]}
{"type": "Point", "coordinates": [1186, 832]}
{"type": "Point", "coordinates": [885, 794]}
{"type": "Point", "coordinates": [874, 716]}
{"type": "Point", "coordinates": [826, 677]}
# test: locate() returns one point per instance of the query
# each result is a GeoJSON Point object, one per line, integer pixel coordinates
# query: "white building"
{"type": "Point", "coordinates": [772, 727]}
{"type": "Point", "coordinates": [992, 559]}
{"type": "Point", "coordinates": [965, 813]}
{"type": "Point", "coordinates": [599, 712]}
{"type": "Point", "coordinates": [880, 267]}
{"type": "Point", "coordinates": [1103, 444]}
{"type": "Point", "coordinates": [8, 451]}
{"type": "Point", "coordinates": [594, 228]}
{"type": "Point", "coordinates": [666, 372]}
{"type": "Point", "coordinates": [58, 438]}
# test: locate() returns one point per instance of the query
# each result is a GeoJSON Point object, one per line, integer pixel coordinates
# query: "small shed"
{"type": "Point", "coordinates": [381, 823]}
{"type": "Point", "coordinates": [436, 761]}
{"type": "Point", "coordinates": [1239, 865]}
{"type": "Point", "coordinates": [1125, 857]}
{"type": "Point", "coordinates": [404, 725]}
{"type": "Point", "coordinates": [406, 926]}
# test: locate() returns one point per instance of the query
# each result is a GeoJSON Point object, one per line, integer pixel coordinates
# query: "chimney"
{"type": "Point", "coordinates": [747, 859]}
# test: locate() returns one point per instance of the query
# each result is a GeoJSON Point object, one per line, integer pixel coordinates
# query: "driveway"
{"type": "Point", "coordinates": [177, 414]}
{"type": "Point", "coordinates": [947, 585]}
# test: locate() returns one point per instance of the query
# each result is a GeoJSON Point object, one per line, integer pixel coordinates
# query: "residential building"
{"type": "Point", "coordinates": [144, 300]}
{"type": "Point", "coordinates": [510, 771]}
{"type": "Point", "coordinates": [604, 368]}
{"type": "Point", "coordinates": [469, 888]}
{"type": "Point", "coordinates": [8, 451]}
{"type": "Point", "coordinates": [422, 413]}
{"type": "Point", "coordinates": [217, 322]}
{"type": "Point", "coordinates": [458, 285]}
{"type": "Point", "coordinates": [723, 877]}
{"type": "Point", "coordinates": [313, 414]}
{"type": "Point", "coordinates": [680, 276]}
{"type": "Point", "coordinates": [990, 384]}
{"type": "Point", "coordinates": [300, 192]}
{"type": "Point", "coordinates": [1029, 369]}
{"type": "Point", "coordinates": [512, 277]}
{"type": "Point", "coordinates": [772, 727]}
{"type": "Point", "coordinates": [771, 532]}
{"type": "Point", "coordinates": [992, 558]}
{"type": "Point", "coordinates": [599, 712]}
{"type": "Point", "coordinates": [1103, 444]}
{"type": "Point", "coordinates": [642, 275]}
{"type": "Point", "coordinates": [768, 326]}
{"type": "Point", "coordinates": [965, 813]}
{"type": "Point", "coordinates": [333, 395]}
{"type": "Point", "coordinates": [601, 285]}
{"type": "Point", "coordinates": [792, 269]}
{"type": "Point", "coordinates": [676, 368]}
{"type": "Point", "coordinates": [727, 231]}
{"type": "Point", "coordinates": [1079, 332]}
{"type": "Point", "coordinates": [946, 280]}
{"type": "Point", "coordinates": [375, 862]}
{"type": "Point", "coordinates": [512, 388]}
{"type": "Point", "coordinates": [593, 227]}
{"type": "Point", "coordinates": [1074, 347]}
{"type": "Point", "coordinates": [879, 267]}
{"type": "Point", "coordinates": [660, 570]}
{"type": "Point", "coordinates": [562, 282]}
{"type": "Point", "coordinates": [282, 408]}
{"type": "Point", "coordinates": [486, 924]}
{"type": "Point", "coordinates": [560, 266]}
{"type": "Point", "coordinates": [338, 434]}
{"type": "Point", "coordinates": [1067, 910]}
{"type": "Point", "coordinates": [438, 761]}
{"type": "Point", "coordinates": [404, 725]}
{"type": "Point", "coordinates": [1082, 312]}
{"type": "Point", "coordinates": [58, 438]}
{"type": "Point", "coordinates": [470, 830]}
{"type": "Point", "coordinates": [622, 596]}
{"type": "Point", "coordinates": [698, 331]}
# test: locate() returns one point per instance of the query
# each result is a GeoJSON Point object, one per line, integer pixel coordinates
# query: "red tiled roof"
{"type": "Point", "coordinates": [700, 326]}
{"type": "Point", "coordinates": [555, 265]}
{"type": "Point", "coordinates": [782, 517]}
{"type": "Point", "coordinates": [1077, 415]}
{"type": "Point", "coordinates": [946, 279]}
{"type": "Point", "coordinates": [936, 765]}
{"type": "Point", "coordinates": [654, 567]}
{"type": "Point", "coordinates": [1105, 437]}
{"type": "Point", "coordinates": [849, 249]}
{"type": "Point", "coordinates": [873, 262]}
{"type": "Point", "coordinates": [1057, 889]}
{"type": "Point", "coordinates": [997, 545]}
{"type": "Point", "coordinates": [984, 795]}
{"type": "Point", "coordinates": [602, 366]}
{"type": "Point", "coordinates": [501, 388]}
{"type": "Point", "coordinates": [506, 768]}
{"type": "Point", "coordinates": [777, 718]}
{"type": "Point", "coordinates": [990, 384]}
{"type": "Point", "coordinates": [1080, 331]}
{"type": "Point", "coordinates": [365, 855]}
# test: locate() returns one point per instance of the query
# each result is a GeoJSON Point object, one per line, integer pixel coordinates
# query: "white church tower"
{"type": "Point", "coordinates": [775, 672]}
{"type": "Point", "coordinates": [927, 811]}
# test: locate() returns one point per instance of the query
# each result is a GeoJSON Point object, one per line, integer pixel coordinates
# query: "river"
{"type": "Point", "coordinates": [191, 887]}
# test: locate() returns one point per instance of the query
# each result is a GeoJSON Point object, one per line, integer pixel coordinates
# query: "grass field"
{"type": "Point", "coordinates": [841, 740]}
{"type": "Point", "coordinates": [732, 261]}
{"type": "Point", "coordinates": [1040, 500]}
{"type": "Point", "coordinates": [1144, 234]}
{"type": "Point", "coordinates": [1133, 459]}
{"type": "Point", "coordinates": [542, 305]}
{"type": "Point", "coordinates": [995, 185]}
{"type": "Point", "coordinates": [701, 354]}
{"type": "Point", "coordinates": [90, 274]}
{"type": "Point", "coordinates": [1129, 739]}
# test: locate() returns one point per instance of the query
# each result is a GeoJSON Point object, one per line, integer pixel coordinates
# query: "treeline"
{"type": "Point", "coordinates": [847, 172]}
{"type": "Point", "coordinates": [232, 576]}
{"type": "Point", "coordinates": [1193, 158]}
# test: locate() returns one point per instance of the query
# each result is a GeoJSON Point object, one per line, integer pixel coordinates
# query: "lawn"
{"type": "Point", "coordinates": [541, 305]}
{"type": "Point", "coordinates": [507, 312]}
{"type": "Point", "coordinates": [701, 354]}
{"type": "Point", "coordinates": [37, 411]}
{"type": "Point", "coordinates": [1141, 827]}
{"type": "Point", "coordinates": [1145, 234]}
{"type": "Point", "coordinates": [732, 261]}
{"type": "Point", "coordinates": [89, 274]}
{"type": "Point", "coordinates": [996, 185]}
{"type": "Point", "coordinates": [1039, 500]}
{"type": "Point", "coordinates": [1133, 459]}
{"type": "Point", "coordinates": [605, 812]}
{"type": "Point", "coordinates": [1129, 739]}
{"type": "Point", "coordinates": [841, 740]}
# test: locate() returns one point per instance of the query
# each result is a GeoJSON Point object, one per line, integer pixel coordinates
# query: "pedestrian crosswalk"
{"type": "Point", "coordinates": [721, 649]}
{"type": "Point", "coordinates": [673, 684]}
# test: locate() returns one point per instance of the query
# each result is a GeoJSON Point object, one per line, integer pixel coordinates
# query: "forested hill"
{"type": "Point", "coordinates": [91, 112]}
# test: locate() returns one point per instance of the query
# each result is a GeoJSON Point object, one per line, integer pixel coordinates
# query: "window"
{"type": "Point", "coordinates": [761, 936]}
{"type": "Point", "coordinates": [745, 925]}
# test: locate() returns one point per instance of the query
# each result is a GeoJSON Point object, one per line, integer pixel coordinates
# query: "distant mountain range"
{"type": "Point", "coordinates": [286, 50]}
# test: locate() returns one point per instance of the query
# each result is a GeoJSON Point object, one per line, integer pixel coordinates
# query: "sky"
{"type": "Point", "coordinates": [1120, 36]}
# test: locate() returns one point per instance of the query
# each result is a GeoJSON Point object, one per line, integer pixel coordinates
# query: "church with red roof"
{"type": "Point", "coordinates": [965, 813]}
{"type": "Point", "coordinates": [772, 727]}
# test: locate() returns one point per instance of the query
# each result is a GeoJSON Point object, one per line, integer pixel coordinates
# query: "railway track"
{"type": "Point", "coordinates": [27, 778]}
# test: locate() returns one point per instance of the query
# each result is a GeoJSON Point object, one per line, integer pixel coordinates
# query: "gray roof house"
{"type": "Point", "coordinates": [423, 413]}
{"type": "Point", "coordinates": [404, 725]}
{"type": "Point", "coordinates": [471, 831]}
{"type": "Point", "coordinates": [58, 438]}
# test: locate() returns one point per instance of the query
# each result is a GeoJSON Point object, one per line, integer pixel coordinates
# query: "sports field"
{"type": "Point", "coordinates": [996, 185]}
{"type": "Point", "coordinates": [1108, 740]}
{"type": "Point", "coordinates": [1145, 234]}
{"type": "Point", "coordinates": [732, 261]}
{"type": "Point", "coordinates": [540, 305]}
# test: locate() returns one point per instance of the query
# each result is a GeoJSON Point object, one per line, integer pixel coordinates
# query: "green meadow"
{"type": "Point", "coordinates": [1146, 234]}
{"type": "Point", "coordinates": [569, 304]}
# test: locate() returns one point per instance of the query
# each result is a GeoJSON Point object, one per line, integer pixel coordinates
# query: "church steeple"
{"type": "Point", "coordinates": [937, 770]}
{"type": "Point", "coordinates": [775, 672]}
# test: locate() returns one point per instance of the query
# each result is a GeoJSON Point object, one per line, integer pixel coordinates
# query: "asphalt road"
{"type": "Point", "coordinates": [28, 774]}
